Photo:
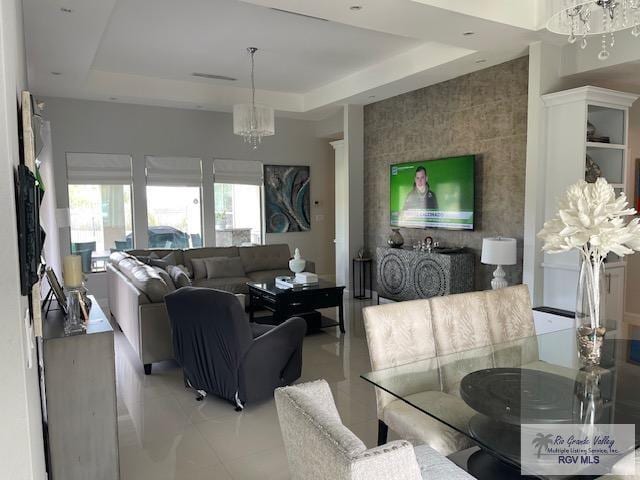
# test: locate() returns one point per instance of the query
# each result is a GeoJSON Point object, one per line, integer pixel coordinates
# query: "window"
{"type": "Point", "coordinates": [99, 206]}
{"type": "Point", "coordinates": [238, 202]}
{"type": "Point", "coordinates": [174, 209]}
{"type": "Point", "coordinates": [238, 214]}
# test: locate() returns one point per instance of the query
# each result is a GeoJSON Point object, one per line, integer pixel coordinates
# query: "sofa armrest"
{"type": "Point", "coordinates": [273, 359]}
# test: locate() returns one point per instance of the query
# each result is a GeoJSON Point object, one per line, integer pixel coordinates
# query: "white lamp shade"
{"type": "Point", "coordinates": [499, 251]}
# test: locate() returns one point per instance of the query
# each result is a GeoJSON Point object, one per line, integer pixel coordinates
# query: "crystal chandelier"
{"type": "Point", "coordinates": [250, 120]}
{"type": "Point", "coordinates": [579, 19]}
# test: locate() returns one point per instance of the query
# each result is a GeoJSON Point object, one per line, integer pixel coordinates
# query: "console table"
{"type": "Point", "coordinates": [405, 274]}
{"type": "Point", "coordinates": [78, 388]}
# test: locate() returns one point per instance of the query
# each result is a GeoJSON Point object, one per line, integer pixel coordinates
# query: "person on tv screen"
{"type": "Point", "coordinates": [421, 197]}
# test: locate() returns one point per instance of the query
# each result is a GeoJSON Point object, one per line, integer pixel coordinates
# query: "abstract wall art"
{"type": "Point", "coordinates": [287, 205]}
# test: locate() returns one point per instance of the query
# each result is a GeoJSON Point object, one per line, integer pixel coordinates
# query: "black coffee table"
{"type": "Point", "coordinates": [300, 302]}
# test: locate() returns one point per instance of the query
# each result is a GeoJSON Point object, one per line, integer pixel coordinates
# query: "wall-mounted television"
{"type": "Point", "coordinates": [433, 193]}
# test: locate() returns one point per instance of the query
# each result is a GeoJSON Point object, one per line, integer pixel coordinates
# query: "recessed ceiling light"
{"type": "Point", "coordinates": [355, 8]}
{"type": "Point", "coordinates": [481, 60]}
{"type": "Point", "coordinates": [65, 10]}
{"type": "Point", "coordinates": [113, 98]}
{"type": "Point", "coordinates": [56, 73]}
{"type": "Point", "coordinates": [468, 34]}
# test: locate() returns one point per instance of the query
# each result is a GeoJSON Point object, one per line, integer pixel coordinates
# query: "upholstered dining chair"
{"type": "Point", "coordinates": [223, 354]}
{"type": "Point", "coordinates": [320, 447]}
{"type": "Point", "coordinates": [430, 329]}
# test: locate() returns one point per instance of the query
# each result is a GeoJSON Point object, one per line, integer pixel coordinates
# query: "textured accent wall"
{"type": "Point", "coordinates": [482, 113]}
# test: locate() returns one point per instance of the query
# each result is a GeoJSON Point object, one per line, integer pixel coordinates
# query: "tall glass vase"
{"type": "Point", "coordinates": [590, 312]}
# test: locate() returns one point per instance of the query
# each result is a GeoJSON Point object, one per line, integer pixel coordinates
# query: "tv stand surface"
{"type": "Point", "coordinates": [405, 274]}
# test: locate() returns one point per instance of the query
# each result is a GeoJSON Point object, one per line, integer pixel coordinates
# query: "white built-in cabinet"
{"type": "Point", "coordinates": [567, 115]}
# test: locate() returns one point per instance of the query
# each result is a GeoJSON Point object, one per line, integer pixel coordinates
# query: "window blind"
{"type": "Point", "coordinates": [242, 172]}
{"type": "Point", "coordinates": [178, 171]}
{"type": "Point", "coordinates": [98, 169]}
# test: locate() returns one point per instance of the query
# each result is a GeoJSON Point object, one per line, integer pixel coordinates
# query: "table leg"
{"type": "Point", "coordinates": [250, 307]}
{"type": "Point", "coordinates": [341, 314]}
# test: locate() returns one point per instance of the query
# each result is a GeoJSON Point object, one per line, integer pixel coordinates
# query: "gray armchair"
{"type": "Point", "coordinates": [320, 447]}
{"type": "Point", "coordinates": [223, 354]}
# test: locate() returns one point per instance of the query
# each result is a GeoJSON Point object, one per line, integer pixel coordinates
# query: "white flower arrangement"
{"type": "Point", "coordinates": [591, 219]}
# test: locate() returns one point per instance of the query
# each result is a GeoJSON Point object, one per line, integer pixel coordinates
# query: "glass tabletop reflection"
{"type": "Point", "coordinates": [486, 393]}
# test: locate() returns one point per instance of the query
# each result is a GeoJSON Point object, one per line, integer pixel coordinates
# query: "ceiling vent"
{"type": "Point", "coordinates": [299, 14]}
{"type": "Point", "coordinates": [214, 77]}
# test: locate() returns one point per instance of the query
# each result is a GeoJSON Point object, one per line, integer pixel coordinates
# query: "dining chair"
{"type": "Point", "coordinates": [319, 446]}
{"type": "Point", "coordinates": [430, 331]}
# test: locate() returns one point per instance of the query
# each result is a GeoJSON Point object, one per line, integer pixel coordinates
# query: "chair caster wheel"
{"type": "Point", "coordinates": [238, 409]}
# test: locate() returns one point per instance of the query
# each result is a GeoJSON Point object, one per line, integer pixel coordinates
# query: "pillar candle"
{"type": "Point", "coordinates": [72, 271]}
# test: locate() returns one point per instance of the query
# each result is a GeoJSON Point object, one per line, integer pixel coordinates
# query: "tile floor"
{"type": "Point", "coordinates": [165, 434]}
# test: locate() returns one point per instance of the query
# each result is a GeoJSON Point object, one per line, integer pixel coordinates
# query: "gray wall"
{"type": "Point", "coordinates": [483, 113]}
{"type": "Point", "coordinates": [106, 127]}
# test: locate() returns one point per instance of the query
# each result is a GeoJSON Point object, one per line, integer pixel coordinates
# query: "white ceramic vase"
{"type": "Point", "coordinates": [297, 263]}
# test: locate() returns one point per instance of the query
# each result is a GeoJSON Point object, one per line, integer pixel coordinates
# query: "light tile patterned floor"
{"type": "Point", "coordinates": [165, 434]}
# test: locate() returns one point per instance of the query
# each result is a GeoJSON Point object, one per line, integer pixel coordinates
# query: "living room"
{"type": "Point", "coordinates": [230, 249]}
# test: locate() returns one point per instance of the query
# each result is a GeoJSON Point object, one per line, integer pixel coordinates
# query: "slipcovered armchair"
{"type": "Point", "coordinates": [320, 447]}
{"type": "Point", "coordinates": [222, 354]}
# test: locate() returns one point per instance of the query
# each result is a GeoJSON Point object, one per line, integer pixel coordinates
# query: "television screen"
{"type": "Point", "coordinates": [433, 193]}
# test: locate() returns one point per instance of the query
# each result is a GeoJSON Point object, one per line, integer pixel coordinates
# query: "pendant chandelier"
{"type": "Point", "coordinates": [250, 120]}
{"type": "Point", "coordinates": [579, 18]}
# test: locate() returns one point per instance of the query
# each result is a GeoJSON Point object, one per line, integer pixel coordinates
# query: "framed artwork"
{"type": "Point", "coordinates": [287, 198]}
{"type": "Point", "coordinates": [56, 288]}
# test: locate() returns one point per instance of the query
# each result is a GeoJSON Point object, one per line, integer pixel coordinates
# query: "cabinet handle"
{"type": "Point", "coordinates": [609, 283]}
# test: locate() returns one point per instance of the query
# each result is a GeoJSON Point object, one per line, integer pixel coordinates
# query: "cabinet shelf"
{"type": "Point", "coordinates": [615, 146]}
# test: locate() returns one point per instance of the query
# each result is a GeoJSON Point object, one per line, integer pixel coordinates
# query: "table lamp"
{"type": "Point", "coordinates": [498, 251]}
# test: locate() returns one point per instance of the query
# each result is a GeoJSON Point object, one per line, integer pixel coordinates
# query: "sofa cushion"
{"type": "Point", "coordinates": [265, 257]}
{"type": "Point", "coordinates": [168, 259]}
{"type": "Point", "coordinates": [116, 257]}
{"type": "Point", "coordinates": [207, 252]}
{"type": "Point", "coordinates": [159, 253]}
{"type": "Point", "coordinates": [145, 279]}
{"type": "Point", "coordinates": [178, 276]}
{"type": "Point", "coordinates": [266, 275]}
{"type": "Point", "coordinates": [166, 278]}
{"type": "Point", "coordinates": [222, 267]}
{"type": "Point", "coordinates": [228, 284]}
{"type": "Point", "coordinates": [198, 268]}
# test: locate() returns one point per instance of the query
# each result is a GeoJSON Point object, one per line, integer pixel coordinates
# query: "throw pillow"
{"type": "Point", "coordinates": [221, 267]}
{"type": "Point", "coordinates": [179, 276]}
{"type": "Point", "coordinates": [199, 268]}
{"type": "Point", "coordinates": [170, 258]}
{"type": "Point", "coordinates": [166, 278]}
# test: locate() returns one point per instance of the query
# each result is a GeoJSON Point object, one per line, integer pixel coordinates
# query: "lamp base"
{"type": "Point", "coordinates": [498, 278]}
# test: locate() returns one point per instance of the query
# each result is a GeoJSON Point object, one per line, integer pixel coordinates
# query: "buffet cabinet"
{"type": "Point", "coordinates": [78, 389]}
{"type": "Point", "coordinates": [404, 274]}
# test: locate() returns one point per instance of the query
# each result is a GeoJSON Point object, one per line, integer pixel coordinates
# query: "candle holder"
{"type": "Point", "coordinates": [74, 321]}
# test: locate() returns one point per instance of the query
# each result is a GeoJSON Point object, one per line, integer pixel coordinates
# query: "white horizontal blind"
{"type": "Point", "coordinates": [179, 171]}
{"type": "Point", "coordinates": [242, 172]}
{"type": "Point", "coordinates": [98, 169]}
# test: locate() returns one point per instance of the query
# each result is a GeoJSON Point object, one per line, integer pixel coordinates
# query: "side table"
{"type": "Point", "coordinates": [362, 265]}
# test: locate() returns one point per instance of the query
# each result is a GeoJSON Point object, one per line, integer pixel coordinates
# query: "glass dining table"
{"type": "Point", "coordinates": [488, 393]}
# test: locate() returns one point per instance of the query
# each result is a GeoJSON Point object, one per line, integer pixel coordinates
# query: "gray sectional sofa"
{"type": "Point", "coordinates": [139, 279]}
